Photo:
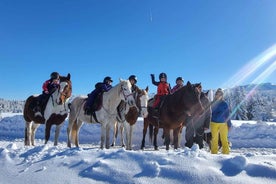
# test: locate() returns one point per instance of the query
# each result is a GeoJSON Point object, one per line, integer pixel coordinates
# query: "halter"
{"type": "Point", "coordinates": [126, 95]}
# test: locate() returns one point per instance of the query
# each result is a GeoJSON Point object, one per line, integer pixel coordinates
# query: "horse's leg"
{"type": "Point", "coordinates": [156, 129]}
{"type": "Point", "coordinates": [128, 130]}
{"type": "Point", "coordinates": [76, 129]}
{"type": "Point", "coordinates": [167, 137]}
{"type": "Point", "coordinates": [47, 131]}
{"type": "Point", "coordinates": [33, 131]}
{"type": "Point", "coordinates": [122, 134]}
{"type": "Point", "coordinates": [58, 127]}
{"type": "Point", "coordinates": [146, 124]}
{"type": "Point", "coordinates": [103, 132]}
{"type": "Point", "coordinates": [107, 135]}
{"type": "Point", "coordinates": [176, 133]}
{"type": "Point", "coordinates": [28, 126]}
{"type": "Point", "coordinates": [115, 133]}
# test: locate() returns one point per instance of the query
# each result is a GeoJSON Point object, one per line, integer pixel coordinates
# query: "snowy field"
{"type": "Point", "coordinates": [252, 158]}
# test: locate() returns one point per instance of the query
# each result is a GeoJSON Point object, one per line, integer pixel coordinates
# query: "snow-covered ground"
{"type": "Point", "coordinates": [252, 158]}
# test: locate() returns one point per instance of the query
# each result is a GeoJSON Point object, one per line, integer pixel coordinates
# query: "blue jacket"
{"type": "Point", "coordinates": [221, 113]}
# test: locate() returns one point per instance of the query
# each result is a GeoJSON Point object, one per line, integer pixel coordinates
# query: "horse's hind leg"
{"type": "Point", "coordinates": [58, 127]}
{"type": "Point", "coordinates": [33, 131]}
{"type": "Point", "coordinates": [115, 133]}
{"type": "Point", "coordinates": [28, 133]}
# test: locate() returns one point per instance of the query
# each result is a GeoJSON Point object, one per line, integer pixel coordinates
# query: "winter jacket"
{"type": "Point", "coordinates": [163, 88]}
{"type": "Point", "coordinates": [220, 112]}
{"type": "Point", "coordinates": [50, 86]}
{"type": "Point", "coordinates": [176, 87]}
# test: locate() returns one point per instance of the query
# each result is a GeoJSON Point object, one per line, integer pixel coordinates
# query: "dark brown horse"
{"type": "Point", "coordinates": [173, 111]}
{"type": "Point", "coordinates": [55, 112]}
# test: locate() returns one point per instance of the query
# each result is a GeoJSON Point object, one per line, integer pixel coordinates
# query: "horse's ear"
{"type": "Point", "coordinates": [188, 83]}
{"type": "Point", "coordinates": [147, 89]}
{"type": "Point", "coordinates": [68, 76]}
{"type": "Point", "coordinates": [207, 93]}
{"type": "Point", "coordinates": [120, 79]}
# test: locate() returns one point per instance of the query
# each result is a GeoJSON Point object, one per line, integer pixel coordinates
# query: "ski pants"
{"type": "Point", "coordinates": [222, 130]}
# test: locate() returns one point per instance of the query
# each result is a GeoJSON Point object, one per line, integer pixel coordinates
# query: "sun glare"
{"type": "Point", "coordinates": [263, 64]}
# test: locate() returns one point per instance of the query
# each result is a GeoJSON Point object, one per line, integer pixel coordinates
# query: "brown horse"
{"type": "Point", "coordinates": [55, 112]}
{"type": "Point", "coordinates": [173, 111]}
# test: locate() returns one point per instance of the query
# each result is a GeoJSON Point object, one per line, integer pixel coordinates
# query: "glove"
{"type": "Point", "coordinates": [152, 75]}
{"type": "Point", "coordinates": [47, 92]}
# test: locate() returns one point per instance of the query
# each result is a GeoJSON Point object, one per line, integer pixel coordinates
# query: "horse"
{"type": "Point", "coordinates": [173, 111]}
{"type": "Point", "coordinates": [196, 125]}
{"type": "Point", "coordinates": [55, 113]}
{"type": "Point", "coordinates": [105, 115]}
{"type": "Point", "coordinates": [127, 117]}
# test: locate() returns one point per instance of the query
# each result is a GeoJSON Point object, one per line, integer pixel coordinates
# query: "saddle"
{"type": "Point", "coordinates": [97, 105]}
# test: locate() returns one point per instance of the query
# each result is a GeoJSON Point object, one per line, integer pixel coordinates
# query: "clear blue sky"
{"type": "Point", "coordinates": [211, 42]}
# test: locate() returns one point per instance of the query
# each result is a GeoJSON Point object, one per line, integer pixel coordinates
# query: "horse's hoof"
{"type": "Point", "coordinates": [156, 148]}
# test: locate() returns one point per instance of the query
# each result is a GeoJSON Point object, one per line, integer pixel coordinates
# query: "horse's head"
{"type": "Point", "coordinates": [126, 93]}
{"type": "Point", "coordinates": [142, 101]}
{"type": "Point", "coordinates": [65, 89]}
{"type": "Point", "coordinates": [192, 99]}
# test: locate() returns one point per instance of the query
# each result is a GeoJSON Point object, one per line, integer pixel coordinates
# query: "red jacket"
{"type": "Point", "coordinates": [163, 88]}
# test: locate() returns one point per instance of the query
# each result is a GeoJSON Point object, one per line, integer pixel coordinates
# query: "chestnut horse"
{"type": "Point", "coordinates": [105, 115]}
{"type": "Point", "coordinates": [55, 112]}
{"type": "Point", "coordinates": [127, 116]}
{"type": "Point", "coordinates": [173, 111]}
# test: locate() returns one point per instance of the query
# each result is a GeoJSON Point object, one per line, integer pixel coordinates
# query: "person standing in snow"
{"type": "Point", "coordinates": [220, 123]}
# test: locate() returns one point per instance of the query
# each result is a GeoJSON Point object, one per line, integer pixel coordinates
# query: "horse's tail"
{"type": "Point", "coordinates": [150, 132]}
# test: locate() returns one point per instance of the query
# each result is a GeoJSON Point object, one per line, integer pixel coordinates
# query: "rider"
{"type": "Point", "coordinates": [179, 84]}
{"type": "Point", "coordinates": [133, 80]}
{"type": "Point", "coordinates": [48, 87]}
{"type": "Point", "coordinates": [163, 88]}
{"type": "Point", "coordinates": [100, 87]}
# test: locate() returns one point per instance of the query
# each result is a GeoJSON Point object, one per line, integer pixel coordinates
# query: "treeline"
{"type": "Point", "coordinates": [14, 106]}
{"type": "Point", "coordinates": [250, 102]}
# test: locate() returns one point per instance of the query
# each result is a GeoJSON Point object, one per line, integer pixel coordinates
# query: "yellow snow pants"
{"type": "Point", "coordinates": [222, 130]}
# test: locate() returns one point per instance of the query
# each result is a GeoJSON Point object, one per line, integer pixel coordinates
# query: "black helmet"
{"type": "Point", "coordinates": [106, 79]}
{"type": "Point", "coordinates": [133, 77]}
{"type": "Point", "coordinates": [54, 75]}
{"type": "Point", "coordinates": [179, 78]}
{"type": "Point", "coordinates": [162, 75]}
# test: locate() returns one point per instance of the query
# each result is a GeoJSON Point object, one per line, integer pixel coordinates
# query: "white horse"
{"type": "Point", "coordinates": [106, 115]}
{"type": "Point", "coordinates": [55, 112]}
{"type": "Point", "coordinates": [127, 117]}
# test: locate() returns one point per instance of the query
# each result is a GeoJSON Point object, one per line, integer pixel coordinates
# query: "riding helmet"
{"type": "Point", "coordinates": [162, 75]}
{"type": "Point", "coordinates": [133, 77]}
{"type": "Point", "coordinates": [54, 75]}
{"type": "Point", "coordinates": [179, 78]}
{"type": "Point", "coordinates": [106, 79]}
